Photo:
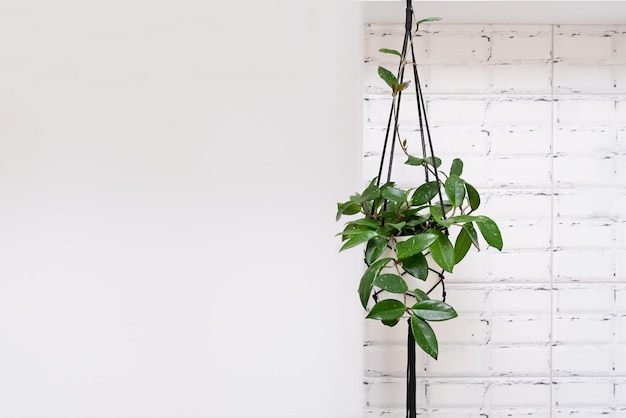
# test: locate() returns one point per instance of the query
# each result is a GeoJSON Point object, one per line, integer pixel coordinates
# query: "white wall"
{"type": "Point", "coordinates": [538, 114]}
{"type": "Point", "coordinates": [168, 179]}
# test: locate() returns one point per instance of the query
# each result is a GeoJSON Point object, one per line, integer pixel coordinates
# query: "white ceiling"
{"type": "Point", "coordinates": [500, 11]}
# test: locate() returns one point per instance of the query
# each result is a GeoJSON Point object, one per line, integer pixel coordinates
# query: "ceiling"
{"type": "Point", "coordinates": [500, 11]}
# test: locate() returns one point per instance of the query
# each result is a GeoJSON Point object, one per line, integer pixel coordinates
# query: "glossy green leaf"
{"type": "Point", "coordinates": [392, 193]}
{"type": "Point", "coordinates": [457, 167]}
{"type": "Point", "coordinates": [371, 192]}
{"type": "Point", "coordinates": [347, 208]}
{"type": "Point", "coordinates": [435, 211]}
{"type": "Point", "coordinates": [420, 295]}
{"type": "Point", "coordinates": [425, 193]}
{"type": "Point", "coordinates": [424, 336]}
{"type": "Point", "coordinates": [473, 235]}
{"type": "Point", "coordinates": [388, 77]}
{"type": "Point", "coordinates": [428, 19]}
{"type": "Point", "coordinates": [461, 245]}
{"type": "Point", "coordinates": [490, 231]}
{"type": "Point", "coordinates": [388, 310]}
{"type": "Point", "coordinates": [390, 322]}
{"type": "Point", "coordinates": [412, 160]}
{"type": "Point", "coordinates": [414, 245]}
{"type": "Point", "coordinates": [472, 196]}
{"type": "Point", "coordinates": [390, 51]}
{"type": "Point", "coordinates": [367, 281]}
{"type": "Point", "coordinates": [455, 190]}
{"type": "Point", "coordinates": [359, 238]}
{"type": "Point", "coordinates": [365, 222]}
{"type": "Point", "coordinates": [457, 220]}
{"type": "Point", "coordinates": [391, 283]}
{"type": "Point", "coordinates": [375, 247]}
{"type": "Point", "coordinates": [433, 310]}
{"type": "Point", "coordinates": [397, 226]}
{"type": "Point", "coordinates": [442, 252]}
{"type": "Point", "coordinates": [416, 266]}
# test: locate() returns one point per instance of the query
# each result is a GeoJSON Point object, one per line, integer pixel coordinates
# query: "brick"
{"type": "Point", "coordinates": [585, 112]}
{"type": "Point", "coordinates": [518, 394]}
{"type": "Point", "coordinates": [588, 203]}
{"type": "Point", "coordinates": [517, 172]}
{"type": "Point", "coordinates": [451, 111]}
{"type": "Point", "coordinates": [522, 267]}
{"type": "Point", "coordinates": [521, 78]}
{"type": "Point", "coordinates": [519, 329]}
{"type": "Point", "coordinates": [458, 47]}
{"type": "Point", "coordinates": [451, 394]}
{"type": "Point", "coordinates": [575, 171]}
{"type": "Point", "coordinates": [464, 329]}
{"type": "Point", "coordinates": [584, 298]}
{"type": "Point", "coordinates": [584, 266]}
{"type": "Point", "coordinates": [386, 361]}
{"type": "Point", "coordinates": [521, 300]}
{"type": "Point", "coordinates": [585, 394]}
{"type": "Point", "coordinates": [456, 79]}
{"type": "Point", "coordinates": [521, 361]}
{"type": "Point", "coordinates": [585, 360]}
{"type": "Point", "coordinates": [521, 44]}
{"type": "Point", "coordinates": [459, 361]}
{"type": "Point", "coordinates": [584, 141]}
{"type": "Point", "coordinates": [583, 78]}
{"type": "Point", "coordinates": [531, 205]}
{"type": "Point", "coordinates": [518, 111]}
{"type": "Point", "coordinates": [526, 235]}
{"type": "Point", "coordinates": [582, 330]}
{"type": "Point", "coordinates": [587, 235]}
{"type": "Point", "coordinates": [584, 43]}
{"type": "Point", "coordinates": [517, 142]}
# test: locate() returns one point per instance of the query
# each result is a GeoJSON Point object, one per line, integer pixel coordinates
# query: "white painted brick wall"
{"type": "Point", "coordinates": [538, 114]}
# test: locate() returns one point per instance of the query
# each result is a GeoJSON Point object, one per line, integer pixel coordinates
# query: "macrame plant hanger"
{"type": "Point", "coordinates": [427, 153]}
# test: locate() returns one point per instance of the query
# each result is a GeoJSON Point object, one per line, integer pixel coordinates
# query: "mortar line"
{"type": "Point", "coordinates": [552, 214]}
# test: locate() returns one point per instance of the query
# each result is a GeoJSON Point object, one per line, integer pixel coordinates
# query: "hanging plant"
{"type": "Point", "coordinates": [406, 232]}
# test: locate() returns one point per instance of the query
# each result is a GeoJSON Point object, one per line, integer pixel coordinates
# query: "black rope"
{"type": "Point", "coordinates": [411, 376]}
{"type": "Point", "coordinates": [427, 152]}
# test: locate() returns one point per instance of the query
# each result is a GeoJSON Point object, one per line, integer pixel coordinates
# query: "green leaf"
{"type": "Point", "coordinates": [461, 246]}
{"type": "Point", "coordinates": [392, 193]}
{"type": "Point", "coordinates": [387, 310]}
{"type": "Point", "coordinates": [375, 247]}
{"type": "Point", "coordinates": [455, 189]}
{"type": "Point", "coordinates": [442, 252]}
{"type": "Point", "coordinates": [388, 77]}
{"type": "Point", "coordinates": [435, 211]}
{"type": "Point", "coordinates": [412, 160]}
{"type": "Point", "coordinates": [391, 322]}
{"type": "Point", "coordinates": [473, 196]}
{"type": "Point", "coordinates": [358, 239]}
{"type": "Point", "coordinates": [367, 281]}
{"type": "Point", "coordinates": [416, 266]}
{"type": "Point", "coordinates": [420, 295]}
{"type": "Point", "coordinates": [397, 226]}
{"type": "Point", "coordinates": [365, 222]}
{"type": "Point", "coordinates": [425, 193]}
{"type": "Point", "coordinates": [433, 310]}
{"type": "Point", "coordinates": [473, 235]}
{"type": "Point", "coordinates": [428, 19]}
{"type": "Point", "coordinates": [490, 232]}
{"type": "Point", "coordinates": [414, 245]}
{"type": "Point", "coordinates": [391, 283]}
{"type": "Point", "coordinates": [371, 192]}
{"type": "Point", "coordinates": [390, 51]}
{"type": "Point", "coordinates": [457, 167]}
{"type": "Point", "coordinates": [424, 336]}
{"type": "Point", "coordinates": [457, 220]}
{"type": "Point", "coordinates": [402, 86]}
{"type": "Point", "coordinates": [347, 208]}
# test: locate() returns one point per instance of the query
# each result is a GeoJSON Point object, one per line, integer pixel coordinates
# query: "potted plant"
{"type": "Point", "coordinates": [407, 231]}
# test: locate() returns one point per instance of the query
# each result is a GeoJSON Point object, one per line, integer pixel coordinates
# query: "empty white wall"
{"type": "Point", "coordinates": [538, 114]}
{"type": "Point", "coordinates": [168, 179]}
